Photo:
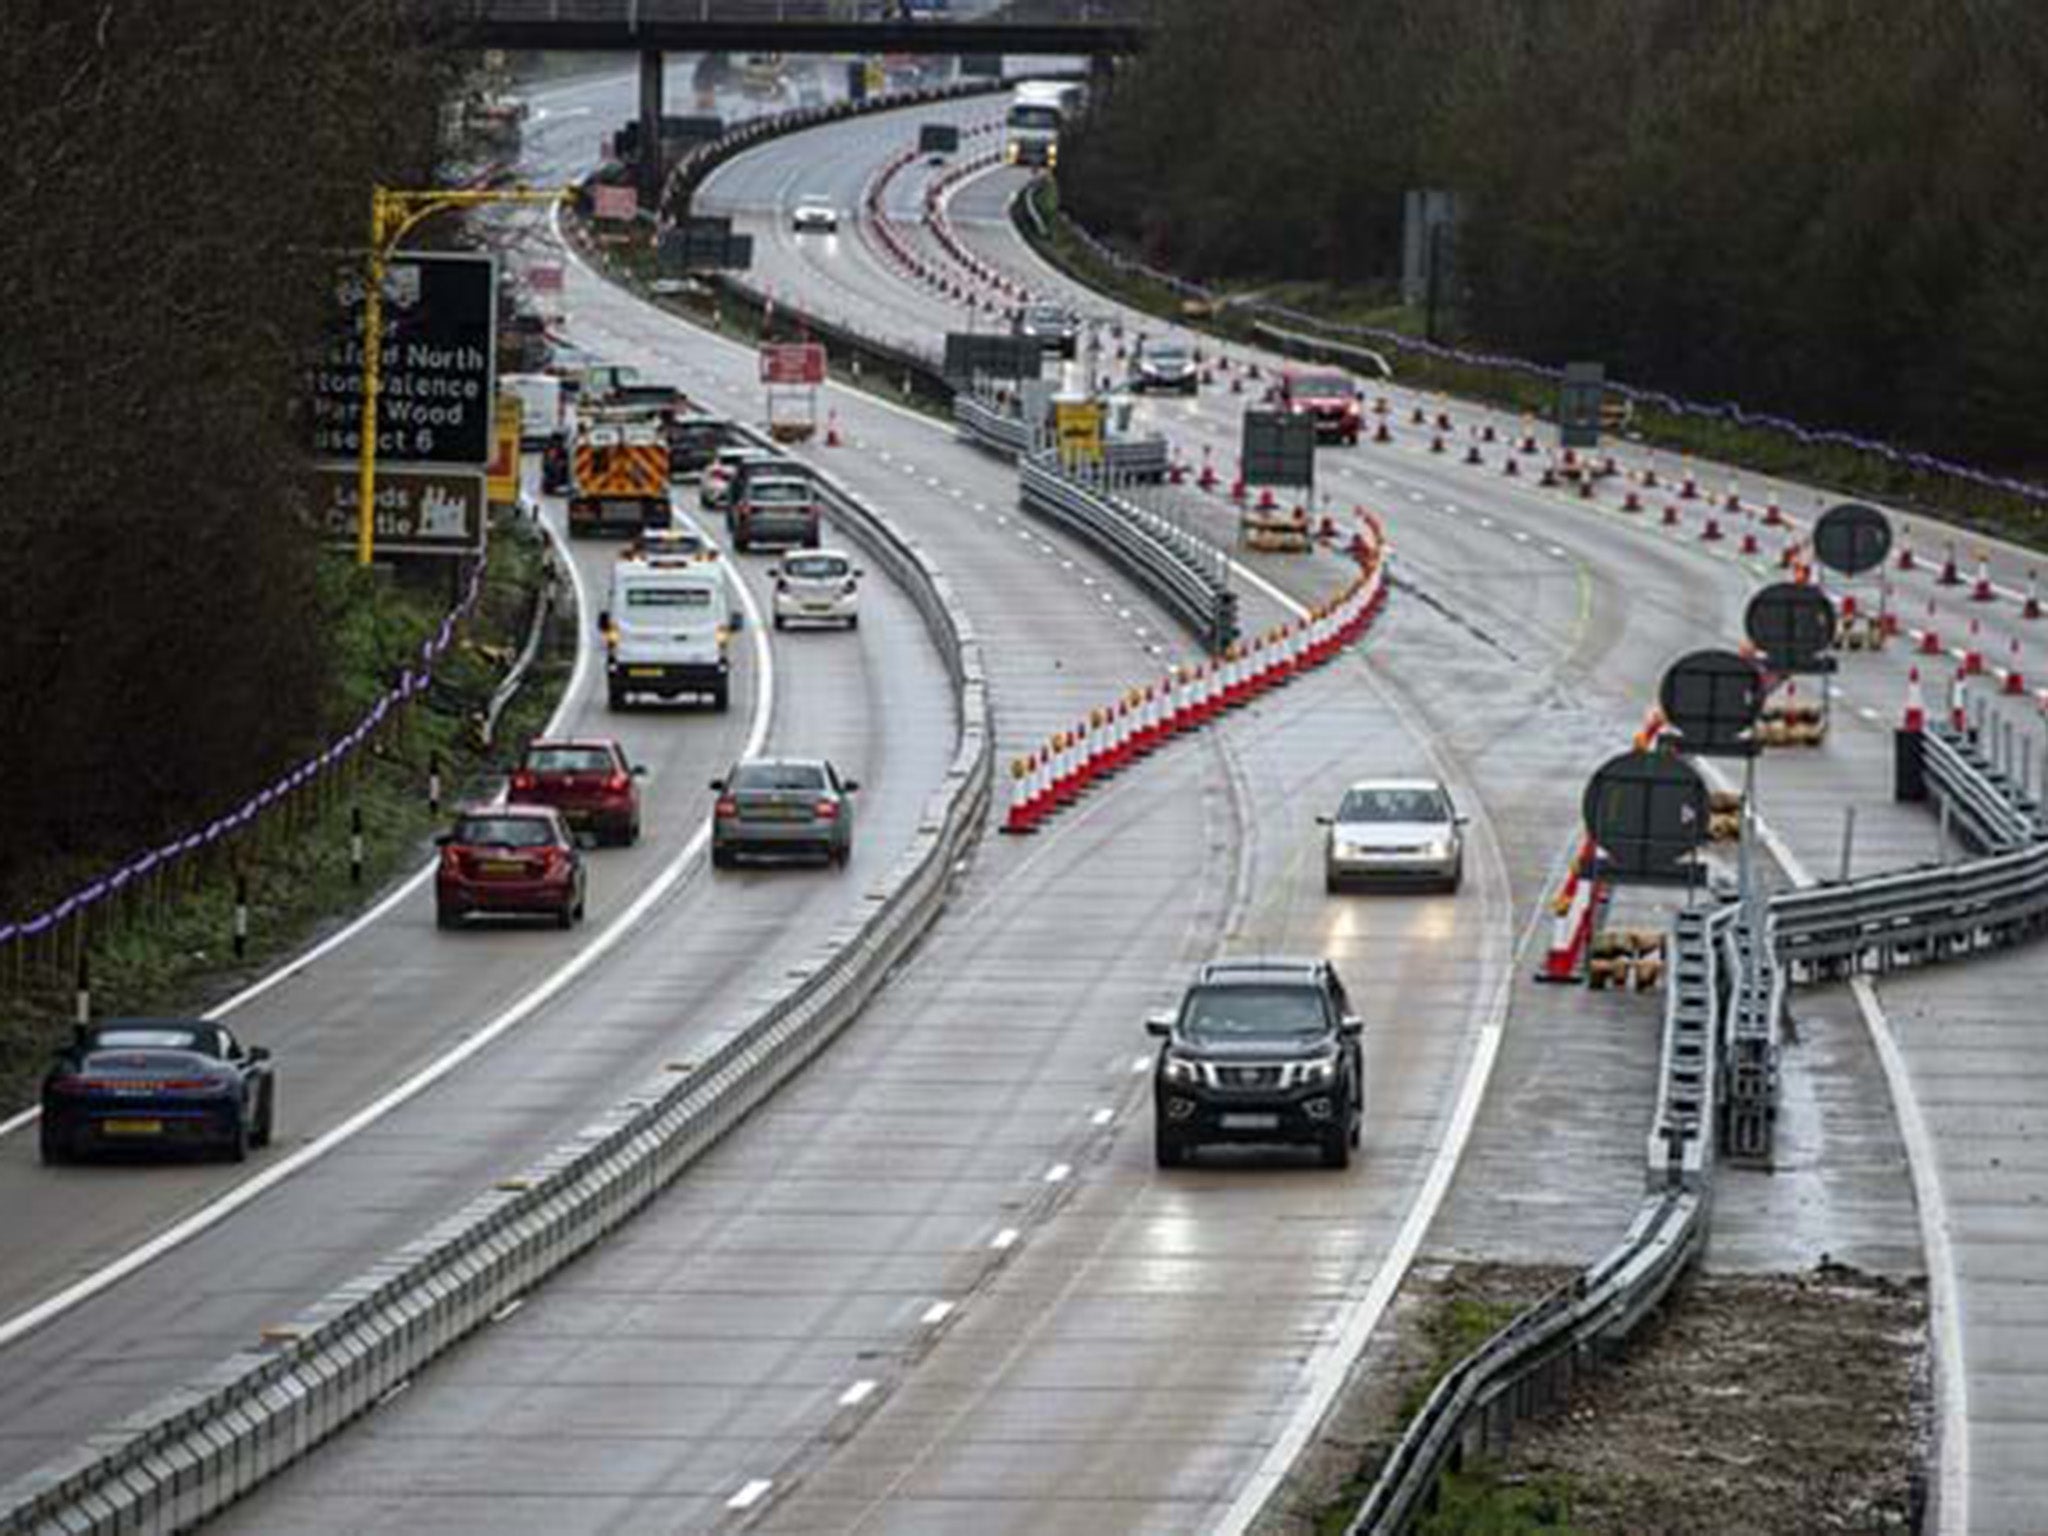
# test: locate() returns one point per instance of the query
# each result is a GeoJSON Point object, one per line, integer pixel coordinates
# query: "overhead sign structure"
{"type": "Point", "coordinates": [1578, 405]}
{"type": "Point", "coordinates": [1851, 538]}
{"type": "Point", "coordinates": [1279, 448]}
{"type": "Point", "coordinates": [418, 511]}
{"type": "Point", "coordinates": [1711, 699]}
{"type": "Point", "coordinates": [993, 355]}
{"type": "Point", "coordinates": [501, 475]}
{"type": "Point", "coordinates": [1077, 428]}
{"type": "Point", "coordinates": [1647, 811]}
{"type": "Point", "coordinates": [437, 364]}
{"type": "Point", "coordinates": [1793, 625]}
{"type": "Point", "coordinates": [792, 362]}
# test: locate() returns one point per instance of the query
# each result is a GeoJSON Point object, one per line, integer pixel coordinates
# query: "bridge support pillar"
{"type": "Point", "coordinates": [650, 167]}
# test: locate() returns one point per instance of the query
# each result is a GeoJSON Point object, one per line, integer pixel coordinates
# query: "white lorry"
{"type": "Point", "coordinates": [1031, 128]}
{"type": "Point", "coordinates": [667, 632]}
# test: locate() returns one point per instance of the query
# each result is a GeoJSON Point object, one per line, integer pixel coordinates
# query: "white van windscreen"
{"type": "Point", "coordinates": [668, 597]}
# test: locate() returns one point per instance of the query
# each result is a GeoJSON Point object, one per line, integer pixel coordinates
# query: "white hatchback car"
{"type": "Point", "coordinates": [820, 586]}
{"type": "Point", "coordinates": [1394, 830]}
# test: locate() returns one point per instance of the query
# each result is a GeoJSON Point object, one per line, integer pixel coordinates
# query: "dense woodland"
{"type": "Point", "coordinates": [176, 179]}
{"type": "Point", "coordinates": [1833, 208]}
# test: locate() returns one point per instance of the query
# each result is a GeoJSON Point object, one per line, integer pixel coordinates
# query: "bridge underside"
{"type": "Point", "coordinates": [768, 36]}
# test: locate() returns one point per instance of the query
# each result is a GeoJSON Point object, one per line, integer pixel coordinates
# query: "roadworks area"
{"type": "Point", "coordinates": [1752, 1405]}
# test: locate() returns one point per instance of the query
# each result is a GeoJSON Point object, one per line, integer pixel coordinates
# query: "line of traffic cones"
{"type": "Point", "coordinates": [1055, 775]}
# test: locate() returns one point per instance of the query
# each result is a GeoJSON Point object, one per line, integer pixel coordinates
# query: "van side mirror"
{"type": "Point", "coordinates": [849, 785]}
{"type": "Point", "coordinates": [1159, 1025]}
{"type": "Point", "coordinates": [1351, 1026]}
{"type": "Point", "coordinates": [718, 785]}
{"type": "Point", "coordinates": [638, 770]}
{"type": "Point", "coordinates": [604, 618]}
{"type": "Point", "coordinates": [259, 1053]}
{"type": "Point", "coordinates": [1326, 821]}
{"type": "Point", "coordinates": [444, 840]}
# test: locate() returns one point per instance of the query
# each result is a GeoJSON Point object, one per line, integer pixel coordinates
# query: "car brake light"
{"type": "Point", "coordinates": [183, 1084]}
{"type": "Point", "coordinates": [618, 783]}
{"type": "Point", "coordinates": [73, 1083]}
{"type": "Point", "coordinates": [1351, 407]}
{"type": "Point", "coordinates": [728, 808]}
{"type": "Point", "coordinates": [828, 810]}
{"type": "Point", "coordinates": [522, 780]}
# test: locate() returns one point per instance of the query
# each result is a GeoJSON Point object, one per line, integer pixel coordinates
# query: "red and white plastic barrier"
{"type": "Point", "coordinates": [1055, 775]}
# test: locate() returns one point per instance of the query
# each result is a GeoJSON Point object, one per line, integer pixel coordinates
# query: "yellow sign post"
{"type": "Point", "coordinates": [392, 216]}
{"type": "Point", "coordinates": [1077, 424]}
{"type": "Point", "coordinates": [501, 475]}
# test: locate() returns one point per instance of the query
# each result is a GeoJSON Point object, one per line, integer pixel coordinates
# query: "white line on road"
{"type": "Point", "coordinates": [216, 1211]}
{"type": "Point", "coordinates": [936, 1313]}
{"type": "Point", "coordinates": [755, 1490]}
{"type": "Point", "coordinates": [858, 1393]}
{"type": "Point", "coordinates": [1004, 1240]}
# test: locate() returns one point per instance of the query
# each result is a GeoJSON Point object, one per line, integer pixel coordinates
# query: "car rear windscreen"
{"type": "Point", "coordinates": [504, 832]}
{"type": "Point", "coordinates": [815, 567]}
{"type": "Point", "coordinates": [800, 776]}
{"type": "Point", "coordinates": [569, 760]}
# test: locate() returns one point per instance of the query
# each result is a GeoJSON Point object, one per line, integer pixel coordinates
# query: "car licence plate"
{"type": "Point", "coordinates": [1249, 1122]}
{"type": "Point", "coordinates": [819, 607]}
{"type": "Point", "coordinates": [502, 867]}
{"type": "Point", "coordinates": [132, 1127]}
{"type": "Point", "coordinates": [643, 671]}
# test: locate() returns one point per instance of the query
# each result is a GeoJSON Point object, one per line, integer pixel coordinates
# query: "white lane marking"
{"type": "Point", "coordinates": [1140, 1064]}
{"type": "Point", "coordinates": [1102, 1117]}
{"type": "Point", "coordinates": [936, 1313]}
{"type": "Point", "coordinates": [754, 1491]}
{"type": "Point", "coordinates": [216, 1211]}
{"type": "Point", "coordinates": [858, 1393]}
{"type": "Point", "coordinates": [1554, 550]}
{"type": "Point", "coordinates": [1518, 535]}
{"type": "Point", "coordinates": [1004, 1240]}
{"type": "Point", "coordinates": [420, 876]}
{"type": "Point", "coordinates": [1058, 1173]}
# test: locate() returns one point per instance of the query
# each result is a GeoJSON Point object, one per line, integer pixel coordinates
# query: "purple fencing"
{"type": "Point", "coordinates": [412, 682]}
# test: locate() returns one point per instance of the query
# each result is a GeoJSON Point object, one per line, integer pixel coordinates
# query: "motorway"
{"type": "Point", "coordinates": [938, 1281]}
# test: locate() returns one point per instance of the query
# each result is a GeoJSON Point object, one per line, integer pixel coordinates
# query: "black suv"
{"type": "Point", "coordinates": [1260, 1051]}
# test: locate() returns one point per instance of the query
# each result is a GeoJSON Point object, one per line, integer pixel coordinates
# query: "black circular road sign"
{"type": "Point", "coordinates": [1711, 698]}
{"type": "Point", "coordinates": [1852, 538]}
{"type": "Point", "coordinates": [1648, 812]}
{"type": "Point", "coordinates": [1793, 625]}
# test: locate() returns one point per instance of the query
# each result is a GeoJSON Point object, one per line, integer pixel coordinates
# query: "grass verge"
{"type": "Point", "coordinates": [1842, 471]}
{"type": "Point", "coordinates": [167, 948]}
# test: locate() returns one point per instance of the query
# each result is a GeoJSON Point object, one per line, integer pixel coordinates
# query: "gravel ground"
{"type": "Point", "coordinates": [1761, 1404]}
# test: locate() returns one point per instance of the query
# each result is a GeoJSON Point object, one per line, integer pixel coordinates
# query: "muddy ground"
{"type": "Point", "coordinates": [1761, 1404]}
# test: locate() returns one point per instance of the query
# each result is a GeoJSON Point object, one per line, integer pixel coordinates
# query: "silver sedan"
{"type": "Point", "coordinates": [1398, 831]}
{"type": "Point", "coordinates": [783, 807]}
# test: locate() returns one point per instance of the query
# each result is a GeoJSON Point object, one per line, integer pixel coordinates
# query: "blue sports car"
{"type": "Point", "coordinates": [157, 1083]}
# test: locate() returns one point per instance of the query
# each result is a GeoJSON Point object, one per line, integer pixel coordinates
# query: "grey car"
{"type": "Point", "coordinates": [1394, 830]}
{"type": "Point", "coordinates": [782, 807]}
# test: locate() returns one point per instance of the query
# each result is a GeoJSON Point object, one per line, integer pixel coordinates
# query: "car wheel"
{"type": "Point", "coordinates": [633, 831]}
{"type": "Point", "coordinates": [237, 1149]}
{"type": "Point", "coordinates": [447, 917]}
{"type": "Point", "coordinates": [1332, 886]}
{"type": "Point", "coordinates": [721, 698]}
{"type": "Point", "coordinates": [1457, 876]}
{"type": "Point", "coordinates": [842, 856]}
{"type": "Point", "coordinates": [266, 1122]}
{"type": "Point", "coordinates": [781, 622]}
{"type": "Point", "coordinates": [721, 858]}
{"type": "Point", "coordinates": [853, 621]}
{"type": "Point", "coordinates": [52, 1143]}
{"type": "Point", "coordinates": [566, 917]}
{"type": "Point", "coordinates": [615, 697]}
{"type": "Point", "coordinates": [811, 540]}
{"type": "Point", "coordinates": [1337, 1148]}
{"type": "Point", "coordinates": [1169, 1150]}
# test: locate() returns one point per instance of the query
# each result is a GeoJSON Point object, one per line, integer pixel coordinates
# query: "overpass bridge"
{"type": "Point", "coordinates": [1098, 29]}
{"type": "Point", "coordinates": [1095, 28]}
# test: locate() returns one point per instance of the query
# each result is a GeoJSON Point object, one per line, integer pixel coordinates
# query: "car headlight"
{"type": "Point", "coordinates": [1323, 1069]}
{"type": "Point", "coordinates": [1438, 847]}
{"type": "Point", "coordinates": [1182, 1069]}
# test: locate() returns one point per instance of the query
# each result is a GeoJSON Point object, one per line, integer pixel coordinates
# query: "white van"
{"type": "Point", "coordinates": [666, 632]}
{"type": "Point", "coordinates": [543, 408]}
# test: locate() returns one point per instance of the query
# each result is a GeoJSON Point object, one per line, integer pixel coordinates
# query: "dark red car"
{"type": "Point", "coordinates": [511, 859]}
{"type": "Point", "coordinates": [589, 781]}
{"type": "Point", "coordinates": [1331, 397]}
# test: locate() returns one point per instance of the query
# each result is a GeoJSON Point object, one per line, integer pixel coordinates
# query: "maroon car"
{"type": "Point", "coordinates": [509, 859]}
{"type": "Point", "coordinates": [589, 781]}
{"type": "Point", "coordinates": [1331, 397]}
